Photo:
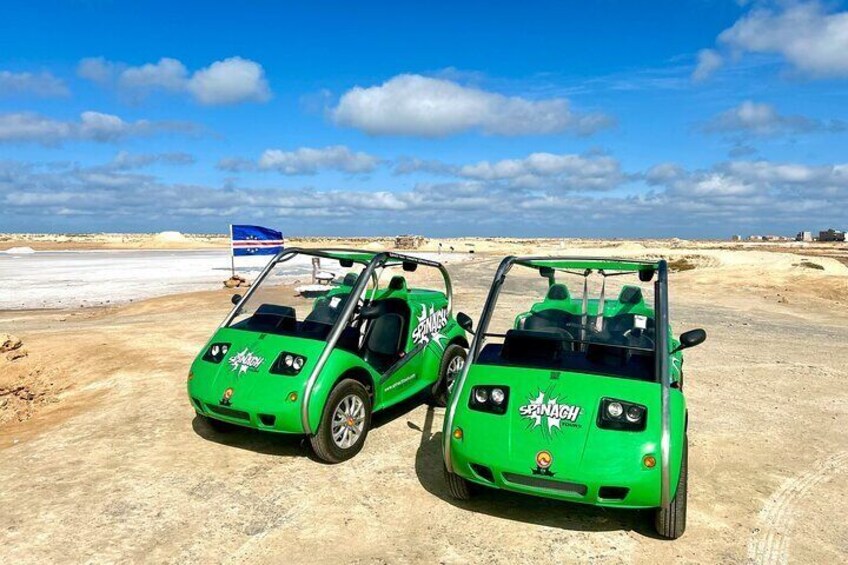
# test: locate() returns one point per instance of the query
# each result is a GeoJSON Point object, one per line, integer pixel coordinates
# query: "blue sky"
{"type": "Point", "coordinates": [610, 118]}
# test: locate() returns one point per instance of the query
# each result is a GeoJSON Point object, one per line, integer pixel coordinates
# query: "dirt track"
{"type": "Point", "coordinates": [118, 468]}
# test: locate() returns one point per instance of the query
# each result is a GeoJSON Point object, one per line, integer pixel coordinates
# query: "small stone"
{"type": "Point", "coordinates": [8, 342]}
{"type": "Point", "coordinates": [16, 354]}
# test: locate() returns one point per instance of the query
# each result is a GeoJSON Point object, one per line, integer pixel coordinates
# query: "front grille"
{"type": "Point", "coordinates": [228, 412]}
{"type": "Point", "coordinates": [538, 482]}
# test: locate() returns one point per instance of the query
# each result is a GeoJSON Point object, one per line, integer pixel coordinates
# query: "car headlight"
{"type": "Point", "coordinates": [489, 398]}
{"type": "Point", "coordinates": [288, 364]}
{"type": "Point", "coordinates": [216, 352]}
{"type": "Point", "coordinates": [621, 415]}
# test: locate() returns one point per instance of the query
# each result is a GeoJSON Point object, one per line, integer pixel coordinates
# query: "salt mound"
{"type": "Point", "coordinates": [20, 251]}
{"type": "Point", "coordinates": [170, 236]}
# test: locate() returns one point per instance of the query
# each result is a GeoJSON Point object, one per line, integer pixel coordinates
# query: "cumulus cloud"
{"type": "Point", "coordinates": [230, 81]}
{"type": "Point", "coordinates": [43, 84]}
{"type": "Point", "coordinates": [811, 36]}
{"type": "Point", "coordinates": [537, 170]}
{"type": "Point", "coordinates": [92, 126]}
{"type": "Point", "coordinates": [305, 161]}
{"type": "Point", "coordinates": [735, 196]}
{"type": "Point", "coordinates": [416, 105]}
{"type": "Point", "coordinates": [760, 119]}
{"type": "Point", "coordinates": [709, 61]}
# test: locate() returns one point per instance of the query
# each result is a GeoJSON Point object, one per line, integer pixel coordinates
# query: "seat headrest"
{"type": "Point", "coordinates": [350, 279]}
{"type": "Point", "coordinates": [630, 295]}
{"type": "Point", "coordinates": [558, 291]}
{"type": "Point", "coordinates": [397, 283]}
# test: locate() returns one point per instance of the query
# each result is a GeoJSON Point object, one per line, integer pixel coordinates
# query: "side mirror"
{"type": "Point", "coordinates": [465, 322]}
{"type": "Point", "coordinates": [236, 298]}
{"type": "Point", "coordinates": [691, 339]}
{"type": "Point", "coordinates": [645, 275]}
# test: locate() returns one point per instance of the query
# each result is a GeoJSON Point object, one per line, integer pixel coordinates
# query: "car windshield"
{"type": "Point", "coordinates": [301, 295]}
{"type": "Point", "coordinates": [589, 320]}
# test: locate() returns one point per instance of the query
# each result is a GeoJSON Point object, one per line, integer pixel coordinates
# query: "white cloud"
{"type": "Point", "coordinates": [124, 160]}
{"type": "Point", "coordinates": [810, 36]}
{"type": "Point", "coordinates": [412, 104]}
{"type": "Point", "coordinates": [92, 126]}
{"type": "Point", "coordinates": [737, 196]}
{"type": "Point", "coordinates": [537, 170]}
{"type": "Point", "coordinates": [167, 74]}
{"type": "Point", "coordinates": [306, 161]}
{"type": "Point", "coordinates": [43, 84]}
{"type": "Point", "coordinates": [709, 61]}
{"type": "Point", "coordinates": [760, 119]}
{"type": "Point", "coordinates": [231, 81]}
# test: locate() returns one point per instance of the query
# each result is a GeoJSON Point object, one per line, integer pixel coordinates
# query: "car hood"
{"type": "Point", "coordinates": [553, 411]}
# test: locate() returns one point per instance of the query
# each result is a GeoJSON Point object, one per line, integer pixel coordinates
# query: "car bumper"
{"type": "Point", "coordinates": [637, 489]}
{"type": "Point", "coordinates": [281, 417]}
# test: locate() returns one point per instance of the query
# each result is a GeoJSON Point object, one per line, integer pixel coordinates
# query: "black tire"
{"type": "Point", "coordinates": [458, 487]}
{"type": "Point", "coordinates": [671, 523]}
{"type": "Point", "coordinates": [323, 444]}
{"type": "Point", "coordinates": [439, 396]}
{"type": "Point", "coordinates": [218, 425]}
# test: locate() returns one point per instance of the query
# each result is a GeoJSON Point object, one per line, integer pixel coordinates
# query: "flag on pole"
{"type": "Point", "coordinates": [255, 240]}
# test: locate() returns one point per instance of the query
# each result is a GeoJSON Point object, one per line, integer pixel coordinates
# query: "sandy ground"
{"type": "Point", "coordinates": [103, 460]}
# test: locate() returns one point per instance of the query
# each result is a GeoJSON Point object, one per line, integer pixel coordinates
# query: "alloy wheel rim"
{"type": "Point", "coordinates": [348, 421]}
{"type": "Point", "coordinates": [454, 369]}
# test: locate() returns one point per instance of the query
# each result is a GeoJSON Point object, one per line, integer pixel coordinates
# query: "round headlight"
{"type": "Point", "coordinates": [298, 363]}
{"type": "Point", "coordinates": [224, 349]}
{"type": "Point", "coordinates": [634, 414]}
{"type": "Point", "coordinates": [289, 360]}
{"type": "Point", "coordinates": [215, 350]}
{"type": "Point", "coordinates": [615, 409]}
{"type": "Point", "coordinates": [481, 395]}
{"type": "Point", "coordinates": [498, 396]}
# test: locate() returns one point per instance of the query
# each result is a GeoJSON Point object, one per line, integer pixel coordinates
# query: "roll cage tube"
{"type": "Point", "coordinates": [661, 360]}
{"type": "Point", "coordinates": [379, 260]}
{"type": "Point", "coordinates": [661, 345]}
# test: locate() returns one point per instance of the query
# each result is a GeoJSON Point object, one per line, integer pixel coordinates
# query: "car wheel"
{"type": "Point", "coordinates": [453, 361]}
{"type": "Point", "coordinates": [458, 487]}
{"type": "Point", "coordinates": [344, 424]}
{"type": "Point", "coordinates": [671, 522]}
{"type": "Point", "coordinates": [218, 425]}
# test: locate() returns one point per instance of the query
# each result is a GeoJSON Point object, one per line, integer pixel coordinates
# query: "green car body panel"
{"type": "Point", "coordinates": [260, 399]}
{"type": "Point", "coordinates": [553, 412]}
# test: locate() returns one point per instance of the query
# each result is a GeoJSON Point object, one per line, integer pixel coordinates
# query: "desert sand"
{"type": "Point", "coordinates": [102, 457]}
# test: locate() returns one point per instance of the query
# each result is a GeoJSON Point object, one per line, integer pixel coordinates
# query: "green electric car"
{"type": "Point", "coordinates": [574, 398]}
{"type": "Point", "coordinates": [281, 362]}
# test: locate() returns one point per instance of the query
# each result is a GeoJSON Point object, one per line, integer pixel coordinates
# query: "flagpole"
{"type": "Point", "coordinates": [232, 253]}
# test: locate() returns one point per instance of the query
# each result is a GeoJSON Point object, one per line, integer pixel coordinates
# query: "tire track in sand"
{"type": "Point", "coordinates": [769, 542]}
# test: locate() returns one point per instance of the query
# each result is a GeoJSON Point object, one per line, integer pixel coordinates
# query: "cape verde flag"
{"type": "Point", "coordinates": [256, 240]}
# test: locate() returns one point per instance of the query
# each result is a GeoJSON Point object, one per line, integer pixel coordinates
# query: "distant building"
{"type": "Point", "coordinates": [735, 238]}
{"type": "Point", "coordinates": [755, 238]}
{"type": "Point", "coordinates": [832, 235]}
{"type": "Point", "coordinates": [408, 241]}
{"type": "Point", "coordinates": [804, 236]}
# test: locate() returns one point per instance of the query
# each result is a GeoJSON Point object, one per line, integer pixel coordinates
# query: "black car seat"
{"type": "Point", "coordinates": [383, 341]}
{"type": "Point", "coordinates": [397, 283]}
{"type": "Point", "coordinates": [322, 317]}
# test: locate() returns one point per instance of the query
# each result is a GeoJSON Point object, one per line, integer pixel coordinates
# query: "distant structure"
{"type": "Point", "coordinates": [755, 238]}
{"type": "Point", "coordinates": [832, 235]}
{"type": "Point", "coordinates": [735, 238]}
{"type": "Point", "coordinates": [804, 236]}
{"type": "Point", "coordinates": [408, 241]}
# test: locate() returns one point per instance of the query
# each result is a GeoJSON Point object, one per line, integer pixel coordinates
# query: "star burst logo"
{"type": "Point", "coordinates": [244, 361]}
{"type": "Point", "coordinates": [549, 414]}
{"type": "Point", "coordinates": [430, 325]}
